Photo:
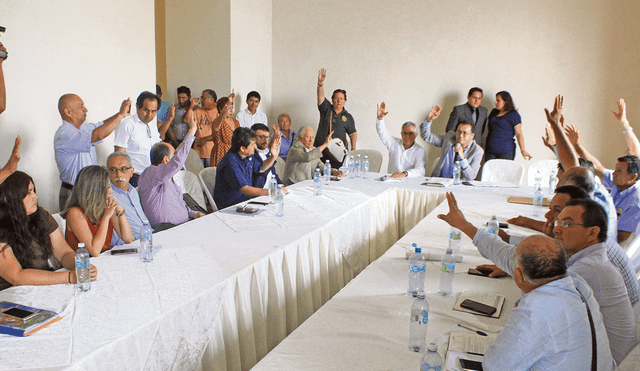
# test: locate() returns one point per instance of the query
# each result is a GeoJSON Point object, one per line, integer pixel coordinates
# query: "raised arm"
{"type": "Point", "coordinates": [632, 139]}
{"type": "Point", "coordinates": [3, 91]}
{"type": "Point", "coordinates": [111, 123]}
{"type": "Point", "coordinates": [189, 112]}
{"type": "Point", "coordinates": [274, 150]}
{"type": "Point", "coordinates": [322, 74]}
{"type": "Point", "coordinates": [383, 133]}
{"type": "Point", "coordinates": [574, 137]}
{"type": "Point", "coordinates": [12, 164]}
{"type": "Point", "coordinates": [566, 153]}
{"type": "Point", "coordinates": [425, 128]}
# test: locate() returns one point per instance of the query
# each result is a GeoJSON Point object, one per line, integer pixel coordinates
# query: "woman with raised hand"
{"type": "Point", "coordinates": [93, 214]}
{"type": "Point", "coordinates": [31, 244]}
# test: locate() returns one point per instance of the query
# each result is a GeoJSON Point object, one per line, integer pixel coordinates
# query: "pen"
{"type": "Point", "coordinates": [476, 331]}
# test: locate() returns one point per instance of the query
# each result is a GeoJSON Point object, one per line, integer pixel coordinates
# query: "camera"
{"type": "Point", "coordinates": [3, 54]}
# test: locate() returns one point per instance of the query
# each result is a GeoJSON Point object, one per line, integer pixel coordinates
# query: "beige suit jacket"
{"type": "Point", "coordinates": [301, 164]}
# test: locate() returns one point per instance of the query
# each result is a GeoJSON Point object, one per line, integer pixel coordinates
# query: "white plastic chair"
{"type": "Point", "coordinates": [62, 222]}
{"type": "Point", "coordinates": [280, 165]}
{"type": "Point", "coordinates": [503, 171]}
{"type": "Point", "coordinates": [189, 183]}
{"type": "Point", "coordinates": [208, 181]}
{"type": "Point", "coordinates": [545, 167]}
{"type": "Point", "coordinates": [375, 158]}
{"type": "Point", "coordinates": [193, 162]}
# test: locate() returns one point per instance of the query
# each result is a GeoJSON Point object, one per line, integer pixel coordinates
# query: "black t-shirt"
{"type": "Point", "coordinates": [343, 124]}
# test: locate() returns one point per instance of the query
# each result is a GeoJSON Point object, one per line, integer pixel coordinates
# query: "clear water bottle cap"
{"type": "Point", "coordinates": [433, 347]}
{"type": "Point", "coordinates": [81, 245]}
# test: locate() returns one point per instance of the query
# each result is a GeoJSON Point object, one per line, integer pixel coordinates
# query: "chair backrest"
{"type": "Point", "coordinates": [435, 163]}
{"type": "Point", "coordinates": [503, 171]}
{"type": "Point", "coordinates": [62, 222]}
{"type": "Point", "coordinates": [375, 158]}
{"type": "Point", "coordinates": [189, 183]}
{"type": "Point", "coordinates": [280, 165]}
{"type": "Point", "coordinates": [208, 180]}
{"type": "Point", "coordinates": [545, 167]}
{"type": "Point", "coordinates": [193, 163]}
{"type": "Point", "coordinates": [633, 252]}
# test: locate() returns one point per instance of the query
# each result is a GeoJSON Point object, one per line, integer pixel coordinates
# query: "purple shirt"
{"type": "Point", "coordinates": [161, 198]}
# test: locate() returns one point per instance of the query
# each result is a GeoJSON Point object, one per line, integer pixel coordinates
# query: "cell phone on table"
{"type": "Point", "coordinates": [467, 364]}
{"type": "Point", "coordinates": [478, 307]}
{"type": "Point", "coordinates": [501, 225]}
{"type": "Point", "coordinates": [132, 250]}
{"type": "Point", "coordinates": [258, 203]}
{"type": "Point", "coordinates": [482, 272]}
{"type": "Point", "coordinates": [19, 314]}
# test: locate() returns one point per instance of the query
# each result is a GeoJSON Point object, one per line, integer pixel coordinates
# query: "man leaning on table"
{"type": "Point", "coordinates": [581, 230]}
{"type": "Point", "coordinates": [458, 145]}
{"type": "Point", "coordinates": [406, 158]}
{"type": "Point", "coordinates": [549, 328]}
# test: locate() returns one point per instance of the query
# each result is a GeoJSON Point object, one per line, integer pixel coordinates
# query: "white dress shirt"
{"type": "Point", "coordinates": [247, 120]}
{"type": "Point", "coordinates": [137, 138]}
{"type": "Point", "coordinates": [410, 160]}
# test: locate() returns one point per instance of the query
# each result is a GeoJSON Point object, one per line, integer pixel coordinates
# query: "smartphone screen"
{"type": "Point", "coordinates": [18, 313]}
{"type": "Point", "coordinates": [468, 364]}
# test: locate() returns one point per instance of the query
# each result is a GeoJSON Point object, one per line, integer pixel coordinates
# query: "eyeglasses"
{"type": "Point", "coordinates": [566, 223]}
{"type": "Point", "coordinates": [115, 169]}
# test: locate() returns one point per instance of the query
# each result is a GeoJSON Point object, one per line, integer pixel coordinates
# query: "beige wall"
{"type": "Point", "coordinates": [414, 54]}
{"type": "Point", "coordinates": [102, 50]}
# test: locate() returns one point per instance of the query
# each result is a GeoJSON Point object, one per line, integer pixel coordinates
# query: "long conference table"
{"type": "Point", "coordinates": [226, 289]}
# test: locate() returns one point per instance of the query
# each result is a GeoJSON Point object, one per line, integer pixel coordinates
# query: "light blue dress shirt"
{"type": "Point", "coordinates": [74, 150]}
{"type": "Point", "coordinates": [627, 203]}
{"type": "Point", "coordinates": [130, 201]}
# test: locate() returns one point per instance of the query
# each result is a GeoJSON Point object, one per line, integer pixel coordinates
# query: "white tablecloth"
{"type": "Point", "coordinates": [224, 289]}
{"type": "Point", "coordinates": [366, 325]}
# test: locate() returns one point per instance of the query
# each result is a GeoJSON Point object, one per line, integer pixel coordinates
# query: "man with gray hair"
{"type": "Point", "coordinates": [120, 171]}
{"type": "Point", "coordinates": [557, 303]}
{"type": "Point", "coordinates": [406, 158]}
{"type": "Point", "coordinates": [303, 158]}
{"type": "Point", "coordinates": [456, 146]}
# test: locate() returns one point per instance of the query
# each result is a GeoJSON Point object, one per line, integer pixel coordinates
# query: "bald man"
{"type": "Point", "coordinates": [74, 140]}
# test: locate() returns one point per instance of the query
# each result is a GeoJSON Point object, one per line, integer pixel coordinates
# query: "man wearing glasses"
{"type": "Point", "coordinates": [139, 132]}
{"type": "Point", "coordinates": [74, 141]}
{"type": "Point", "coordinates": [263, 153]}
{"type": "Point", "coordinates": [406, 158]}
{"type": "Point", "coordinates": [120, 171]}
{"type": "Point", "coordinates": [455, 146]}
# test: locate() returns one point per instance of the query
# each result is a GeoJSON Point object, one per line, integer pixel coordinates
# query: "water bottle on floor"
{"type": "Point", "coordinates": [146, 242]}
{"type": "Point", "coordinates": [83, 266]}
{"type": "Point", "coordinates": [431, 360]}
{"type": "Point", "coordinates": [327, 172]}
{"type": "Point", "coordinates": [365, 167]}
{"type": "Point", "coordinates": [454, 240]}
{"type": "Point", "coordinates": [357, 168]}
{"type": "Point", "coordinates": [417, 270]}
{"type": "Point", "coordinates": [273, 185]}
{"type": "Point", "coordinates": [317, 186]}
{"type": "Point", "coordinates": [280, 201]}
{"type": "Point", "coordinates": [456, 173]}
{"type": "Point", "coordinates": [418, 324]}
{"type": "Point", "coordinates": [493, 226]}
{"type": "Point", "coordinates": [447, 269]}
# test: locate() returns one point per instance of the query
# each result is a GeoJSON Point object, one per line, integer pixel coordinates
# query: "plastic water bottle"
{"type": "Point", "coordinates": [317, 185]}
{"type": "Point", "coordinates": [327, 172]}
{"type": "Point", "coordinates": [537, 201]}
{"type": "Point", "coordinates": [446, 273]}
{"type": "Point", "coordinates": [273, 185]}
{"type": "Point", "coordinates": [146, 242]}
{"type": "Point", "coordinates": [418, 324]}
{"type": "Point", "coordinates": [454, 240]}
{"type": "Point", "coordinates": [352, 167]}
{"type": "Point", "coordinates": [365, 167]}
{"type": "Point", "coordinates": [358, 168]}
{"type": "Point", "coordinates": [280, 201]}
{"type": "Point", "coordinates": [456, 173]}
{"type": "Point", "coordinates": [83, 267]}
{"type": "Point", "coordinates": [493, 226]}
{"type": "Point", "coordinates": [417, 271]}
{"type": "Point", "coordinates": [538, 178]}
{"type": "Point", "coordinates": [553, 181]}
{"type": "Point", "coordinates": [431, 360]}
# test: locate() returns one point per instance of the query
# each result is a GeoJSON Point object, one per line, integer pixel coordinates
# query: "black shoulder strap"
{"type": "Point", "coordinates": [594, 343]}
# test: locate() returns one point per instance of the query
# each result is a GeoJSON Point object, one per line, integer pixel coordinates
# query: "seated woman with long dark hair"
{"type": "Point", "coordinates": [93, 214]}
{"type": "Point", "coordinates": [31, 244]}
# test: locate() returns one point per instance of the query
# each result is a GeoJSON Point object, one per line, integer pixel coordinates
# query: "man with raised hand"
{"type": "Point", "coordinates": [406, 158]}
{"type": "Point", "coordinates": [74, 141]}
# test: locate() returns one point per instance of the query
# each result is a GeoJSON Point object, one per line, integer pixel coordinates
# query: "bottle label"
{"type": "Point", "coordinates": [454, 236]}
{"type": "Point", "coordinates": [416, 269]}
{"type": "Point", "coordinates": [493, 231]}
{"type": "Point", "coordinates": [426, 367]}
{"type": "Point", "coordinates": [425, 316]}
{"type": "Point", "coordinates": [449, 267]}
{"type": "Point", "coordinates": [80, 265]}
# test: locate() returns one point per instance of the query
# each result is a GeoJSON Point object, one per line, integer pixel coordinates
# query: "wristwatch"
{"type": "Point", "coordinates": [406, 173]}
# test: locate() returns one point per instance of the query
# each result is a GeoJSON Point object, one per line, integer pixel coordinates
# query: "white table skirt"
{"type": "Point", "coordinates": [218, 295]}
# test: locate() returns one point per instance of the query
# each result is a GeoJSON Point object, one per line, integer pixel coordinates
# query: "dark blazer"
{"type": "Point", "coordinates": [463, 113]}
